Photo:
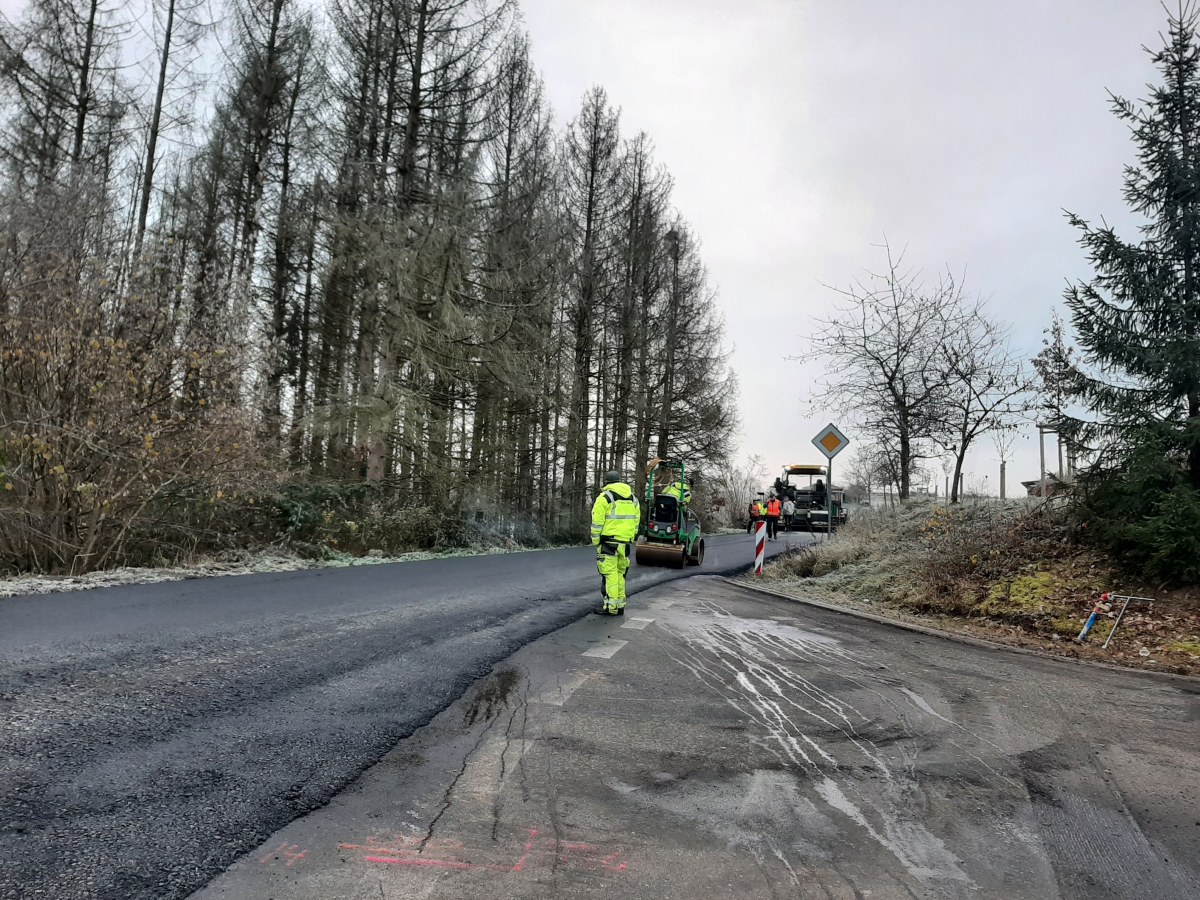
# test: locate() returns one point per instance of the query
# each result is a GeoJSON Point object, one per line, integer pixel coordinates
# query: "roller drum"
{"type": "Point", "coordinates": [650, 553]}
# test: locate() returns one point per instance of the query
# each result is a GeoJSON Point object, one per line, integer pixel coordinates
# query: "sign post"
{"type": "Point", "coordinates": [831, 442]}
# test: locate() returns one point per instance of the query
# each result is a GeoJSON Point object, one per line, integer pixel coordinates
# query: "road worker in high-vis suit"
{"type": "Point", "coordinates": [615, 517]}
{"type": "Point", "coordinates": [680, 491]}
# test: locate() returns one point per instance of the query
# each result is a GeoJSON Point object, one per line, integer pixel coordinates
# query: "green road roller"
{"type": "Point", "coordinates": [670, 533]}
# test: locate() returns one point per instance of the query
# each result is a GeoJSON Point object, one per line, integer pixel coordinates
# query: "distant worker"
{"type": "Point", "coordinates": [761, 512]}
{"type": "Point", "coordinates": [819, 493]}
{"type": "Point", "coordinates": [615, 517]}
{"type": "Point", "coordinates": [789, 513]}
{"type": "Point", "coordinates": [774, 511]}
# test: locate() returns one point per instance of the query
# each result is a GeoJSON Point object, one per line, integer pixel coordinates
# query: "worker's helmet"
{"type": "Point", "coordinates": [611, 476]}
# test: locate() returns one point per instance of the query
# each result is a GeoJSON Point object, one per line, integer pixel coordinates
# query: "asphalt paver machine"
{"type": "Point", "coordinates": [669, 533]}
{"type": "Point", "coordinates": [816, 502]}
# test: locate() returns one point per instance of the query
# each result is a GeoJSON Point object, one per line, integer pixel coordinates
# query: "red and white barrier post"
{"type": "Point", "coordinates": [760, 545]}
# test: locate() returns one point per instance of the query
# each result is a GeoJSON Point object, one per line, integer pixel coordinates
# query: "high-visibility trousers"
{"type": "Point", "coordinates": [612, 562]}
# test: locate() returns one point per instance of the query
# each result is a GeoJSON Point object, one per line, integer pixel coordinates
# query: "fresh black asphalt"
{"type": "Point", "coordinates": [150, 734]}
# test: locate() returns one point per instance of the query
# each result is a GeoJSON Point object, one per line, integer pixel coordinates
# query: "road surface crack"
{"type": "Point", "coordinates": [523, 708]}
{"type": "Point", "coordinates": [448, 794]}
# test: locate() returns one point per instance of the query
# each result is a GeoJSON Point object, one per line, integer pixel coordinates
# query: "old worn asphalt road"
{"type": "Point", "coordinates": [722, 743]}
{"type": "Point", "coordinates": [150, 734]}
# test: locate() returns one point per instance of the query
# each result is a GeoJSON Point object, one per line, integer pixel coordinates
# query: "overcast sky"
{"type": "Point", "coordinates": [801, 133]}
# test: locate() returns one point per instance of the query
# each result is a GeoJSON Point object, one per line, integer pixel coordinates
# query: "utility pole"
{"type": "Point", "coordinates": [1042, 457]}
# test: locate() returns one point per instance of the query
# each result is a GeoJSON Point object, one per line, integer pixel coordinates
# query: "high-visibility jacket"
{"type": "Point", "coordinates": [615, 514]}
{"type": "Point", "coordinates": [773, 508]}
{"type": "Point", "coordinates": [679, 491]}
{"type": "Point", "coordinates": [762, 510]}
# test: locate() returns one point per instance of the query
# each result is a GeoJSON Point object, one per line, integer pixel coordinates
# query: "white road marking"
{"type": "Point", "coordinates": [605, 650]}
{"type": "Point", "coordinates": [637, 624]}
{"type": "Point", "coordinates": [559, 695]}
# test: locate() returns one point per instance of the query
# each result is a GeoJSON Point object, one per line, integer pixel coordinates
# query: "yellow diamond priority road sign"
{"type": "Point", "coordinates": [830, 441]}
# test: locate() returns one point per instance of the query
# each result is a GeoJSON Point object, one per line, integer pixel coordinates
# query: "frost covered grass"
{"type": "Point", "coordinates": [243, 563]}
{"type": "Point", "coordinates": [1010, 572]}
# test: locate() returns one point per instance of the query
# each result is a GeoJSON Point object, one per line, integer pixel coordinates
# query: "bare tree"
{"type": "Point", "coordinates": [180, 26]}
{"type": "Point", "coordinates": [60, 64]}
{"type": "Point", "coordinates": [1003, 438]}
{"type": "Point", "coordinates": [737, 485]}
{"type": "Point", "coordinates": [862, 471]}
{"type": "Point", "coordinates": [883, 346]}
{"type": "Point", "coordinates": [985, 386]}
{"type": "Point", "coordinates": [591, 173]}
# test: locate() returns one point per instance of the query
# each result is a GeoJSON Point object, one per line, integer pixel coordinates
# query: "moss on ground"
{"type": "Point", "coordinates": [1023, 595]}
{"type": "Point", "coordinates": [1190, 647]}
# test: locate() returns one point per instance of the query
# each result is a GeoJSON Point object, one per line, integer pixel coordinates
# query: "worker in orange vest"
{"type": "Point", "coordinates": [774, 510]}
{"type": "Point", "coordinates": [752, 516]}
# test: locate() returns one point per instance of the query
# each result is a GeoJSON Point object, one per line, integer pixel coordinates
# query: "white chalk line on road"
{"type": "Point", "coordinates": [637, 624]}
{"type": "Point", "coordinates": [606, 650]}
{"type": "Point", "coordinates": [562, 693]}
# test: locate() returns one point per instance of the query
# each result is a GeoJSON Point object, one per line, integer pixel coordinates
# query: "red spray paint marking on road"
{"type": "Point", "coordinates": [528, 846]}
{"type": "Point", "coordinates": [291, 852]}
{"type": "Point", "coordinates": [537, 852]}
{"type": "Point", "coordinates": [431, 863]}
{"type": "Point", "coordinates": [583, 854]}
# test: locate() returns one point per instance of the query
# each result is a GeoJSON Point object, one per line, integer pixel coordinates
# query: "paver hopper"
{"type": "Point", "coordinates": [669, 533]}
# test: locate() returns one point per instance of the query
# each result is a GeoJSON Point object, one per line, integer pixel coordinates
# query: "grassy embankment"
{"type": "Point", "coordinates": [1010, 573]}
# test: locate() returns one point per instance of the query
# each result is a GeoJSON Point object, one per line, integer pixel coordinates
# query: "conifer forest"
{"type": "Point", "coordinates": [327, 271]}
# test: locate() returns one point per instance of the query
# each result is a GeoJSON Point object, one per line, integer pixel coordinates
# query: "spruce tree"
{"type": "Point", "coordinates": [1138, 320]}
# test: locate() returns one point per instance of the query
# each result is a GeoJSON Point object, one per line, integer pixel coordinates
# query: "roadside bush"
{"type": "Point", "coordinates": [116, 418]}
{"type": "Point", "coordinates": [999, 561]}
{"type": "Point", "coordinates": [322, 517]}
{"type": "Point", "coordinates": [358, 517]}
{"type": "Point", "coordinates": [965, 551]}
{"type": "Point", "coordinates": [1169, 542]}
{"type": "Point", "coordinates": [1146, 512]}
